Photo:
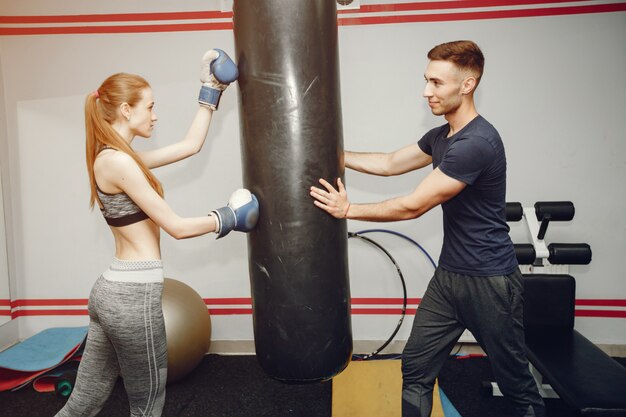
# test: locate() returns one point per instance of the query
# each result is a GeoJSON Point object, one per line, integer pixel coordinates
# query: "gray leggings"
{"type": "Point", "coordinates": [126, 337]}
{"type": "Point", "coordinates": [492, 309]}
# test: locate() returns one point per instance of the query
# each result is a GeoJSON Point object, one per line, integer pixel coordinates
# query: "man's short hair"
{"type": "Point", "coordinates": [466, 55]}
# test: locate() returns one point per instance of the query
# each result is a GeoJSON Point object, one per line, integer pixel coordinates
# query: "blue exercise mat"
{"type": "Point", "coordinates": [448, 408]}
{"type": "Point", "coordinates": [44, 350]}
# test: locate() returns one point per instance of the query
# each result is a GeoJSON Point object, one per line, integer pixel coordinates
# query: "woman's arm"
{"type": "Point", "coordinates": [190, 145]}
{"type": "Point", "coordinates": [406, 159]}
{"type": "Point", "coordinates": [119, 171]}
{"type": "Point", "coordinates": [217, 71]}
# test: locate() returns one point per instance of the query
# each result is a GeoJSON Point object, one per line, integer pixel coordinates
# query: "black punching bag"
{"type": "Point", "coordinates": [291, 130]}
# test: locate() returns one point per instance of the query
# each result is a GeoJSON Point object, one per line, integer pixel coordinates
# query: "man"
{"type": "Point", "coordinates": [477, 285]}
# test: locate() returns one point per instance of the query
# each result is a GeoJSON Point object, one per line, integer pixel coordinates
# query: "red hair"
{"type": "Point", "coordinates": [101, 109]}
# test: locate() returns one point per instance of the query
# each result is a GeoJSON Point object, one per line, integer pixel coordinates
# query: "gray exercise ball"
{"type": "Point", "coordinates": [187, 326]}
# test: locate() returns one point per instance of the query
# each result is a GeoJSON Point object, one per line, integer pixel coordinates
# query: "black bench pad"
{"type": "Point", "coordinates": [583, 375]}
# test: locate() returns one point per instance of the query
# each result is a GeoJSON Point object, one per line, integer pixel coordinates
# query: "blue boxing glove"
{"type": "Point", "coordinates": [217, 70]}
{"type": "Point", "coordinates": [241, 213]}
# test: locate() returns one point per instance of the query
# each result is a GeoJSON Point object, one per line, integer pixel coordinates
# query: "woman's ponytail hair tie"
{"type": "Point", "coordinates": [96, 94]}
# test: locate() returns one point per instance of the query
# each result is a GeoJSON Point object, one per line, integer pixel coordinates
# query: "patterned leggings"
{"type": "Point", "coordinates": [126, 337]}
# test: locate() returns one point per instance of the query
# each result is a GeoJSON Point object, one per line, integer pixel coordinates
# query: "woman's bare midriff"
{"type": "Point", "coordinates": [137, 241]}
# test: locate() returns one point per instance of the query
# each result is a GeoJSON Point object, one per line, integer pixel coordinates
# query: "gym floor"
{"type": "Point", "coordinates": [235, 386]}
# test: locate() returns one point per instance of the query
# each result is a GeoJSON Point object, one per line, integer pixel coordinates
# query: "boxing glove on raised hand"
{"type": "Point", "coordinates": [241, 213]}
{"type": "Point", "coordinates": [217, 70]}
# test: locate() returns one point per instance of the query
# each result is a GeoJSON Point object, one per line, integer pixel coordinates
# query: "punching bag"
{"type": "Point", "coordinates": [290, 117]}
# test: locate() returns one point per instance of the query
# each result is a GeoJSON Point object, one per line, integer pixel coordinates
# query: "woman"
{"type": "Point", "coordinates": [126, 331]}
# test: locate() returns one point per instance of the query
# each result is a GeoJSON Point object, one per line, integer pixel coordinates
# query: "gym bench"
{"type": "Point", "coordinates": [565, 363]}
{"type": "Point", "coordinates": [568, 364]}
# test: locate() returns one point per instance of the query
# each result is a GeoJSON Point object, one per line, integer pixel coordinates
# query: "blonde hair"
{"type": "Point", "coordinates": [101, 109]}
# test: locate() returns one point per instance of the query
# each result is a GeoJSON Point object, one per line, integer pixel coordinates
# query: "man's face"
{"type": "Point", "coordinates": [443, 88]}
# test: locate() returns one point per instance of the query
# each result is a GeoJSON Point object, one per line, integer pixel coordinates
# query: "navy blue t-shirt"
{"type": "Point", "coordinates": [476, 236]}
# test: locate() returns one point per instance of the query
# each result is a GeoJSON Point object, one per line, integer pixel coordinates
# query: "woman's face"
{"type": "Point", "coordinates": [142, 116]}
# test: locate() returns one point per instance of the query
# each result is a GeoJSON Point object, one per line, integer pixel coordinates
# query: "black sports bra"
{"type": "Point", "coordinates": [119, 210]}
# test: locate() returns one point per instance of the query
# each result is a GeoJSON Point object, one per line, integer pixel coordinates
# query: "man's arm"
{"type": "Point", "coordinates": [435, 189]}
{"type": "Point", "coordinates": [406, 159]}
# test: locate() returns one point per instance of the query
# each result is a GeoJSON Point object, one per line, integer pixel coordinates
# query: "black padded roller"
{"type": "Point", "coordinates": [547, 211]}
{"type": "Point", "coordinates": [569, 253]}
{"type": "Point", "coordinates": [514, 212]}
{"type": "Point", "coordinates": [290, 119]}
{"type": "Point", "coordinates": [525, 253]}
{"type": "Point", "coordinates": [554, 210]}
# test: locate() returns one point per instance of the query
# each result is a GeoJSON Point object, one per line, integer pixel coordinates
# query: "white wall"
{"type": "Point", "coordinates": [556, 97]}
{"type": "Point", "coordinates": [8, 331]}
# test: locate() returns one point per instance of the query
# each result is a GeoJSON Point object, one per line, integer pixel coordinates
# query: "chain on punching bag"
{"type": "Point", "coordinates": [291, 130]}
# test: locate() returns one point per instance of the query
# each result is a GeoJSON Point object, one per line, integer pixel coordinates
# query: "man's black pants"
{"type": "Point", "coordinates": [492, 309]}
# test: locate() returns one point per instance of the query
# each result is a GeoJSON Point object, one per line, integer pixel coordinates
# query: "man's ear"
{"type": "Point", "coordinates": [468, 85]}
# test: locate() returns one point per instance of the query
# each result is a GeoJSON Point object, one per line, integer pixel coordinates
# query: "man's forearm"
{"type": "Point", "coordinates": [374, 163]}
{"type": "Point", "coordinates": [395, 209]}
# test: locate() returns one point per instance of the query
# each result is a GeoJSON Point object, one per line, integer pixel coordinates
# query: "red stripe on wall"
{"type": "Point", "coordinates": [375, 311]}
{"type": "Point", "coordinates": [227, 301]}
{"type": "Point", "coordinates": [50, 302]}
{"type": "Point", "coordinates": [605, 303]}
{"type": "Point", "coordinates": [442, 5]}
{"type": "Point", "coordinates": [248, 300]}
{"type": "Point", "coordinates": [601, 313]}
{"type": "Point", "coordinates": [229, 311]}
{"type": "Point", "coordinates": [382, 311]}
{"type": "Point", "coordinates": [385, 301]}
{"type": "Point", "coordinates": [22, 308]}
{"type": "Point", "coordinates": [342, 21]}
{"type": "Point", "coordinates": [72, 30]}
{"type": "Point", "coordinates": [121, 17]}
{"type": "Point", "coordinates": [216, 14]}
{"type": "Point", "coordinates": [248, 311]}
{"type": "Point", "coordinates": [495, 14]}
{"type": "Point", "coordinates": [53, 312]}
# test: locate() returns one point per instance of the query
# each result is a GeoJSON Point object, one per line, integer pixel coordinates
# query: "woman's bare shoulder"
{"type": "Point", "coordinates": [110, 166]}
{"type": "Point", "coordinates": [113, 160]}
